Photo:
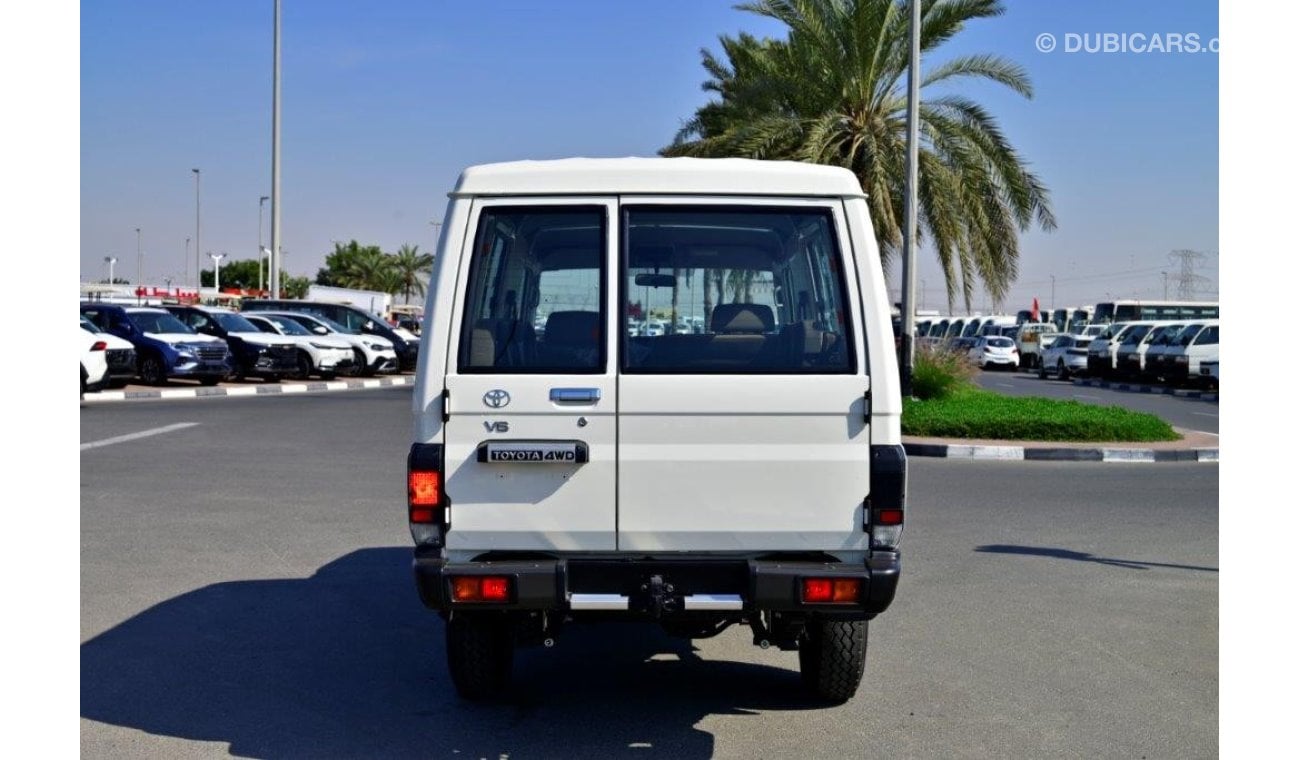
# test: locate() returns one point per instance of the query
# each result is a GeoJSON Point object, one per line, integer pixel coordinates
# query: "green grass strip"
{"type": "Point", "coordinates": [975, 413]}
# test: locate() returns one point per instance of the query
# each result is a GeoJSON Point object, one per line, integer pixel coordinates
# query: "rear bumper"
{"type": "Point", "coordinates": [622, 586]}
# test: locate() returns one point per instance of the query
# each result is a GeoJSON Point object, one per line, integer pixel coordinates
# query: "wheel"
{"type": "Point", "coordinates": [832, 658]}
{"type": "Point", "coordinates": [305, 366]}
{"type": "Point", "coordinates": [364, 368]}
{"type": "Point", "coordinates": [480, 654]}
{"type": "Point", "coordinates": [1042, 374]}
{"type": "Point", "coordinates": [83, 383]}
{"type": "Point", "coordinates": [988, 366]}
{"type": "Point", "coordinates": [209, 380]}
{"type": "Point", "coordinates": [1061, 372]}
{"type": "Point", "coordinates": [152, 371]}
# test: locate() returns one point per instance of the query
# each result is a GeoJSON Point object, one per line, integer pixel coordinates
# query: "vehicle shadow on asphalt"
{"type": "Point", "coordinates": [1042, 551]}
{"type": "Point", "coordinates": [348, 663]}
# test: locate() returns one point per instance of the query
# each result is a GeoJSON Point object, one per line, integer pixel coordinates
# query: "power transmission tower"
{"type": "Point", "coordinates": [1188, 281]}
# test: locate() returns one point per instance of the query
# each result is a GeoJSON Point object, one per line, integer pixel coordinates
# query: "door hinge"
{"type": "Point", "coordinates": [446, 405]}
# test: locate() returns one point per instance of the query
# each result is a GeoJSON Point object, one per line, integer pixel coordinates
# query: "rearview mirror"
{"type": "Point", "coordinates": [655, 280]}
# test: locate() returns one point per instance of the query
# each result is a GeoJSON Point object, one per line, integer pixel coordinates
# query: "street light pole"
{"type": "Point", "coordinates": [139, 261]}
{"type": "Point", "coordinates": [217, 257]}
{"type": "Point", "coordinates": [198, 241]}
{"type": "Point", "coordinates": [275, 160]}
{"type": "Point", "coordinates": [187, 260]}
{"type": "Point", "coordinates": [261, 249]}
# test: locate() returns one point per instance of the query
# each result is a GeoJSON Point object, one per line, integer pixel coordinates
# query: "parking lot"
{"type": "Point", "coordinates": [261, 606]}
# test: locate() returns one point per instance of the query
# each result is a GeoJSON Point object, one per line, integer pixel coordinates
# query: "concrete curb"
{"type": "Point", "coordinates": [1160, 390]}
{"type": "Point", "coordinates": [1061, 454]}
{"type": "Point", "coordinates": [272, 389]}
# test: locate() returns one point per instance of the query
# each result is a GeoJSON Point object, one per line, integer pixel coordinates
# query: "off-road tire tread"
{"type": "Point", "coordinates": [833, 658]}
{"type": "Point", "coordinates": [480, 654]}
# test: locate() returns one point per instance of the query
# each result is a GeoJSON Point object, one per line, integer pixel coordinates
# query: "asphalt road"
{"type": "Point", "coordinates": [246, 591]}
{"type": "Point", "coordinates": [1187, 413]}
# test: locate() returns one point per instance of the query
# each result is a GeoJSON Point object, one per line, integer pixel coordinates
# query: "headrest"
{"type": "Point", "coordinates": [743, 318]}
{"type": "Point", "coordinates": [573, 327]}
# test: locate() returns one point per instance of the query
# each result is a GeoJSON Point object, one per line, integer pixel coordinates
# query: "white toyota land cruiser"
{"type": "Point", "coordinates": [751, 472]}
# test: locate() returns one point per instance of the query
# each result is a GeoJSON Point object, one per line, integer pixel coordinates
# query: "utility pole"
{"type": "Point", "coordinates": [261, 249]}
{"type": "Point", "coordinates": [187, 260]}
{"type": "Point", "coordinates": [275, 160]}
{"type": "Point", "coordinates": [909, 234]}
{"type": "Point", "coordinates": [139, 260]}
{"type": "Point", "coordinates": [198, 241]}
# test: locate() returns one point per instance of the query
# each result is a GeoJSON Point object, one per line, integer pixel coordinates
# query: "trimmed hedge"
{"type": "Point", "coordinates": [975, 413]}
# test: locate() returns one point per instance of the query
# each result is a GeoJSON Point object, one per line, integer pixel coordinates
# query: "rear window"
{"type": "Point", "coordinates": [536, 294]}
{"type": "Point", "coordinates": [1001, 342]}
{"type": "Point", "coordinates": [733, 290]}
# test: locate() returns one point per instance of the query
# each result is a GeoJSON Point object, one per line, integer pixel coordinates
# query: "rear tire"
{"type": "Point", "coordinates": [832, 658]}
{"type": "Point", "coordinates": [1061, 372]}
{"type": "Point", "coordinates": [209, 380]}
{"type": "Point", "coordinates": [480, 655]}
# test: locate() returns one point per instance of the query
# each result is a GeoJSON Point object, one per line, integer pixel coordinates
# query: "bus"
{"type": "Point", "coordinates": [1129, 311]}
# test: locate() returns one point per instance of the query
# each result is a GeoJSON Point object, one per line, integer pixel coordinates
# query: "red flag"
{"type": "Point", "coordinates": [1034, 312]}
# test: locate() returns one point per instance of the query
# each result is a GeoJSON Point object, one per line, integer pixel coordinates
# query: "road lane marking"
{"type": "Point", "coordinates": [1080, 395]}
{"type": "Point", "coordinates": [1005, 385]}
{"type": "Point", "coordinates": [137, 436]}
{"type": "Point", "coordinates": [1204, 414]}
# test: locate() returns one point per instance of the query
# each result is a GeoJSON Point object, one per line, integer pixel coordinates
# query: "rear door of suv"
{"type": "Point", "coordinates": [748, 435]}
{"type": "Point", "coordinates": [531, 386]}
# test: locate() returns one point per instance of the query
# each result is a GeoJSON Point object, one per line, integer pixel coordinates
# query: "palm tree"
{"type": "Point", "coordinates": [834, 92]}
{"type": "Point", "coordinates": [412, 270]}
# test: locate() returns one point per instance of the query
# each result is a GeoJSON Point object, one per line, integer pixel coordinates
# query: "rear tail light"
{"type": "Point", "coordinates": [883, 508]}
{"type": "Point", "coordinates": [428, 509]}
{"type": "Point", "coordinates": [831, 590]}
{"type": "Point", "coordinates": [480, 588]}
{"type": "Point", "coordinates": [99, 346]}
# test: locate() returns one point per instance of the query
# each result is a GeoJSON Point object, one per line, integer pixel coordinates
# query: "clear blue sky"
{"type": "Point", "coordinates": [384, 104]}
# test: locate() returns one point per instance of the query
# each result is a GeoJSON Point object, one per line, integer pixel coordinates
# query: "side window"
{"type": "Point", "coordinates": [1208, 336]}
{"type": "Point", "coordinates": [725, 290]}
{"type": "Point", "coordinates": [535, 297]}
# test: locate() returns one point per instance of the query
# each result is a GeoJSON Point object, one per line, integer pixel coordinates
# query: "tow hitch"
{"type": "Point", "coordinates": [656, 598]}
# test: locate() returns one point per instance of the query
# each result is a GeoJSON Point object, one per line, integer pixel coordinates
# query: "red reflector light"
{"type": "Point", "coordinates": [99, 346]}
{"type": "Point", "coordinates": [816, 590]}
{"type": "Point", "coordinates": [831, 591]}
{"type": "Point", "coordinates": [496, 589]}
{"type": "Point", "coordinates": [889, 517]}
{"type": "Point", "coordinates": [480, 588]}
{"type": "Point", "coordinates": [423, 489]}
{"type": "Point", "coordinates": [421, 515]}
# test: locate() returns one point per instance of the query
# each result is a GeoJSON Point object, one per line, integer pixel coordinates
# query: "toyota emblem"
{"type": "Point", "coordinates": [496, 398]}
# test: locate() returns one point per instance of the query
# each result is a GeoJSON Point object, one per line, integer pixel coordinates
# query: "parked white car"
{"type": "Point", "coordinates": [373, 354]}
{"type": "Point", "coordinates": [1068, 355]}
{"type": "Point", "coordinates": [325, 356]}
{"type": "Point", "coordinates": [990, 352]}
{"type": "Point", "coordinates": [106, 360]}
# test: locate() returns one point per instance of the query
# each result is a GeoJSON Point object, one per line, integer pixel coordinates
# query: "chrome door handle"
{"type": "Point", "coordinates": [575, 395]}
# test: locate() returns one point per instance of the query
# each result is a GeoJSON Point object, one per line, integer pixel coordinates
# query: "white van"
{"type": "Point", "coordinates": [750, 474]}
{"type": "Point", "coordinates": [1181, 362]}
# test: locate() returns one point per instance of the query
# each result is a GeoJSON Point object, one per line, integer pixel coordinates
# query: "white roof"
{"type": "Point", "coordinates": [658, 176]}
